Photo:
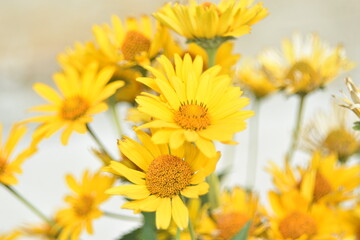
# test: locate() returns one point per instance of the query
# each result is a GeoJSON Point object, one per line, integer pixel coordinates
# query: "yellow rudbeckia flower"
{"type": "Point", "coordinates": [82, 95]}
{"type": "Point", "coordinates": [193, 106]}
{"type": "Point", "coordinates": [166, 175]}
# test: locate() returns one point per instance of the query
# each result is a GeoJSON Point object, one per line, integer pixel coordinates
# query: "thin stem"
{"type": "Point", "coordinates": [99, 143]}
{"type": "Point", "coordinates": [178, 231]}
{"type": "Point", "coordinates": [121, 216]}
{"type": "Point", "coordinates": [211, 52]}
{"type": "Point", "coordinates": [295, 138]}
{"type": "Point", "coordinates": [214, 191]}
{"type": "Point", "coordinates": [28, 204]}
{"type": "Point", "coordinates": [115, 115]}
{"type": "Point", "coordinates": [253, 146]}
{"type": "Point", "coordinates": [191, 230]}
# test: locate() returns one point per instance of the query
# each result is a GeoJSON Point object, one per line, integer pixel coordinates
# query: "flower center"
{"type": "Point", "coordinates": [302, 75]}
{"type": "Point", "coordinates": [2, 165]}
{"type": "Point", "coordinates": [230, 223]}
{"type": "Point", "coordinates": [297, 224]}
{"type": "Point", "coordinates": [322, 186]}
{"type": "Point", "coordinates": [341, 142]}
{"type": "Point", "coordinates": [133, 44]}
{"type": "Point", "coordinates": [73, 108]}
{"type": "Point", "coordinates": [192, 116]}
{"type": "Point", "coordinates": [167, 176]}
{"type": "Point", "coordinates": [84, 205]}
{"type": "Point", "coordinates": [208, 5]}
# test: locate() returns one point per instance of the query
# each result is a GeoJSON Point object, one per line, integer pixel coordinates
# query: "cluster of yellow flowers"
{"type": "Point", "coordinates": [186, 101]}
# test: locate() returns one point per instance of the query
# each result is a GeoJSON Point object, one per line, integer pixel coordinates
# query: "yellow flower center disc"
{"type": "Point", "coordinates": [297, 224]}
{"type": "Point", "coordinates": [193, 117]}
{"type": "Point", "coordinates": [167, 176]}
{"type": "Point", "coordinates": [230, 224]}
{"type": "Point", "coordinates": [133, 44]}
{"type": "Point", "coordinates": [341, 142]}
{"type": "Point", "coordinates": [84, 205]}
{"type": "Point", "coordinates": [2, 165]}
{"type": "Point", "coordinates": [322, 186]}
{"type": "Point", "coordinates": [73, 108]}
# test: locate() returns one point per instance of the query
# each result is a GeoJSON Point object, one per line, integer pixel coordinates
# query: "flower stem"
{"type": "Point", "coordinates": [211, 52]}
{"type": "Point", "coordinates": [253, 146]}
{"type": "Point", "coordinates": [115, 115]}
{"type": "Point", "coordinates": [214, 191]}
{"type": "Point", "coordinates": [191, 230]}
{"type": "Point", "coordinates": [295, 138]}
{"type": "Point", "coordinates": [99, 143]}
{"type": "Point", "coordinates": [178, 231]}
{"type": "Point", "coordinates": [121, 216]}
{"type": "Point", "coordinates": [28, 204]}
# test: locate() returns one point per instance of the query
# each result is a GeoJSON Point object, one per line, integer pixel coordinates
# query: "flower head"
{"type": "Point", "coordinates": [354, 103]}
{"type": "Point", "coordinates": [88, 194]}
{"type": "Point", "coordinates": [193, 106]}
{"type": "Point", "coordinates": [166, 175]}
{"type": "Point", "coordinates": [82, 95]}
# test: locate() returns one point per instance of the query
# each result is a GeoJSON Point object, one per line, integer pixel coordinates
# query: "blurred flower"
{"type": "Point", "coordinates": [165, 177]}
{"type": "Point", "coordinates": [354, 103]}
{"type": "Point", "coordinates": [193, 106]}
{"type": "Point", "coordinates": [9, 167]}
{"type": "Point", "coordinates": [137, 117]}
{"type": "Point", "coordinates": [43, 231]}
{"type": "Point", "coordinates": [330, 133]}
{"type": "Point", "coordinates": [82, 96]}
{"type": "Point", "coordinates": [305, 65]}
{"type": "Point", "coordinates": [88, 194]}
{"type": "Point", "coordinates": [131, 89]}
{"type": "Point", "coordinates": [10, 236]}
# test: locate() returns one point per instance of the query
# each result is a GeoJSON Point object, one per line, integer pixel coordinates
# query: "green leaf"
{"type": "Point", "coordinates": [148, 231]}
{"type": "Point", "coordinates": [356, 126]}
{"type": "Point", "coordinates": [243, 234]}
{"type": "Point", "coordinates": [133, 235]}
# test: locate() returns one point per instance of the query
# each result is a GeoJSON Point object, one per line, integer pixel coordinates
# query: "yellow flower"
{"type": "Point", "coordinates": [88, 194]}
{"type": "Point", "coordinates": [230, 18]}
{"type": "Point", "coordinates": [131, 89]}
{"type": "Point", "coordinates": [330, 133]}
{"type": "Point", "coordinates": [354, 91]}
{"type": "Point", "coordinates": [10, 236]}
{"type": "Point", "coordinates": [8, 166]}
{"type": "Point", "coordinates": [82, 95]}
{"type": "Point", "coordinates": [132, 43]}
{"type": "Point", "coordinates": [253, 77]}
{"type": "Point", "coordinates": [305, 65]}
{"type": "Point", "coordinates": [293, 219]}
{"type": "Point", "coordinates": [317, 182]}
{"type": "Point", "coordinates": [43, 231]}
{"type": "Point", "coordinates": [166, 175]}
{"type": "Point", "coordinates": [135, 116]}
{"type": "Point", "coordinates": [193, 106]}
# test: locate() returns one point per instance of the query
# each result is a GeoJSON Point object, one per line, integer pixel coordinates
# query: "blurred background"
{"type": "Point", "coordinates": [34, 32]}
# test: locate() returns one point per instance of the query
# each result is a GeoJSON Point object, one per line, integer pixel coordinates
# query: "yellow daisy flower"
{"type": "Point", "coordinates": [43, 231]}
{"type": "Point", "coordinates": [193, 106]}
{"type": "Point", "coordinates": [228, 19]}
{"type": "Point", "coordinates": [331, 133]}
{"type": "Point", "coordinates": [132, 43]}
{"type": "Point", "coordinates": [294, 219]}
{"type": "Point", "coordinates": [165, 176]}
{"type": "Point", "coordinates": [253, 77]}
{"type": "Point", "coordinates": [8, 166]}
{"type": "Point", "coordinates": [82, 95]}
{"type": "Point", "coordinates": [354, 91]}
{"type": "Point", "coordinates": [10, 236]}
{"type": "Point", "coordinates": [88, 194]}
{"type": "Point", "coordinates": [131, 88]}
{"type": "Point", "coordinates": [305, 65]}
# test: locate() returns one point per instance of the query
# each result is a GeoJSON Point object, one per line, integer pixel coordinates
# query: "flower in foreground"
{"type": "Point", "coordinates": [166, 175]}
{"type": "Point", "coordinates": [82, 95]}
{"type": "Point", "coordinates": [193, 106]}
{"type": "Point", "coordinates": [88, 194]}
{"type": "Point", "coordinates": [8, 166]}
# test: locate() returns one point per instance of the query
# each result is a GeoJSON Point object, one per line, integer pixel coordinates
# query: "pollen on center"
{"type": "Point", "coordinates": [84, 205]}
{"type": "Point", "coordinates": [167, 175]}
{"type": "Point", "coordinates": [74, 108]}
{"type": "Point", "coordinates": [134, 43]}
{"type": "Point", "coordinates": [193, 117]}
{"type": "Point", "coordinates": [230, 223]}
{"type": "Point", "coordinates": [297, 224]}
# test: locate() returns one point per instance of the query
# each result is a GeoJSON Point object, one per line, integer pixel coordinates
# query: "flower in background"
{"type": "Point", "coordinates": [193, 106]}
{"type": "Point", "coordinates": [82, 95]}
{"type": "Point", "coordinates": [305, 65]}
{"type": "Point", "coordinates": [88, 194]}
{"type": "Point", "coordinates": [137, 117]}
{"type": "Point", "coordinates": [330, 134]}
{"type": "Point", "coordinates": [228, 19]}
{"type": "Point", "coordinates": [8, 166]}
{"type": "Point", "coordinates": [253, 77]}
{"type": "Point", "coordinates": [43, 231]}
{"type": "Point", "coordinates": [131, 88]}
{"type": "Point", "coordinates": [10, 236]}
{"type": "Point", "coordinates": [131, 43]}
{"type": "Point", "coordinates": [354, 103]}
{"type": "Point", "coordinates": [166, 175]}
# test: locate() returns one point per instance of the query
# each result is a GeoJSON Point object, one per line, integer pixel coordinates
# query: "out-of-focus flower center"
{"type": "Point", "coordinates": [296, 224]}
{"type": "Point", "coordinates": [134, 43]}
{"type": "Point", "coordinates": [84, 205]}
{"type": "Point", "coordinates": [341, 142]}
{"type": "Point", "coordinates": [192, 116]}
{"type": "Point", "coordinates": [2, 165]}
{"type": "Point", "coordinates": [167, 176]}
{"type": "Point", "coordinates": [74, 108]}
{"type": "Point", "coordinates": [322, 186]}
{"type": "Point", "coordinates": [303, 76]}
{"type": "Point", "coordinates": [230, 224]}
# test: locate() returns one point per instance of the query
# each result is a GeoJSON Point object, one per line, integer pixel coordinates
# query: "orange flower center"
{"type": "Point", "coordinates": [84, 205]}
{"type": "Point", "coordinates": [341, 142]}
{"type": "Point", "coordinates": [74, 108]}
{"type": "Point", "coordinates": [322, 186]}
{"type": "Point", "coordinates": [207, 5]}
{"type": "Point", "coordinates": [2, 165]}
{"type": "Point", "coordinates": [192, 116]}
{"type": "Point", "coordinates": [134, 43]}
{"type": "Point", "coordinates": [297, 224]}
{"type": "Point", "coordinates": [167, 176]}
{"type": "Point", "coordinates": [230, 224]}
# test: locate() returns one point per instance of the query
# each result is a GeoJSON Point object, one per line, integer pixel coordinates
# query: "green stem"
{"type": "Point", "coordinates": [191, 230]}
{"type": "Point", "coordinates": [148, 231]}
{"type": "Point", "coordinates": [28, 204]}
{"type": "Point", "coordinates": [97, 140]}
{"type": "Point", "coordinates": [214, 191]}
{"type": "Point", "coordinates": [178, 231]}
{"type": "Point", "coordinates": [295, 138]}
{"type": "Point", "coordinates": [253, 146]}
{"type": "Point", "coordinates": [115, 115]}
{"type": "Point", "coordinates": [121, 217]}
{"type": "Point", "coordinates": [211, 52]}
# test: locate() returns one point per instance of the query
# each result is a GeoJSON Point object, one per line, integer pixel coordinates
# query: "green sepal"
{"type": "Point", "coordinates": [133, 235]}
{"type": "Point", "coordinates": [244, 232]}
{"type": "Point", "coordinates": [356, 126]}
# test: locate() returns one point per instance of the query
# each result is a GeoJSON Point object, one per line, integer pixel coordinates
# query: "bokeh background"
{"type": "Point", "coordinates": [33, 33]}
